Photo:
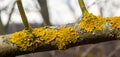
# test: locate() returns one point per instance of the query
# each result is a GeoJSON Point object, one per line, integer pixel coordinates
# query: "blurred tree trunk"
{"type": "Point", "coordinates": [2, 29]}
{"type": "Point", "coordinates": [44, 11]}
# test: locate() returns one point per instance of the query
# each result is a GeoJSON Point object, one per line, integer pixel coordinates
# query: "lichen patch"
{"type": "Point", "coordinates": [90, 22]}
{"type": "Point", "coordinates": [44, 36]}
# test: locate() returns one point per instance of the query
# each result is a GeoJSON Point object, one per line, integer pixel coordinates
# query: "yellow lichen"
{"type": "Point", "coordinates": [115, 21]}
{"type": "Point", "coordinates": [43, 36]}
{"type": "Point", "coordinates": [66, 36]}
{"type": "Point", "coordinates": [90, 22]}
{"type": "Point", "coordinates": [22, 39]}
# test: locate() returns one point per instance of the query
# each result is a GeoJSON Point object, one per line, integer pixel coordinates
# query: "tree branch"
{"type": "Point", "coordinates": [7, 48]}
{"type": "Point", "coordinates": [90, 30]}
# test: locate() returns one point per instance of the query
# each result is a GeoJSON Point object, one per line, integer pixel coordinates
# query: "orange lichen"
{"type": "Point", "coordinates": [44, 35]}
{"type": "Point", "coordinates": [90, 22]}
{"type": "Point", "coordinates": [115, 21]}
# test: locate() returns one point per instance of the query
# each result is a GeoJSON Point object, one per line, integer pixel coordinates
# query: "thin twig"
{"type": "Point", "coordinates": [23, 16]}
{"type": "Point", "coordinates": [82, 6]}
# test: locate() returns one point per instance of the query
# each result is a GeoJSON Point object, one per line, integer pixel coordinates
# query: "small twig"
{"type": "Point", "coordinates": [82, 6]}
{"type": "Point", "coordinates": [23, 16]}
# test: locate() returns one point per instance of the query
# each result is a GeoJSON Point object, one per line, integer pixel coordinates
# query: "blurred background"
{"type": "Point", "coordinates": [60, 12]}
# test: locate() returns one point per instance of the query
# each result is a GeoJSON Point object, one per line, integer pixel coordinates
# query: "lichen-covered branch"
{"type": "Point", "coordinates": [90, 30]}
{"type": "Point", "coordinates": [8, 48]}
{"type": "Point", "coordinates": [87, 31]}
